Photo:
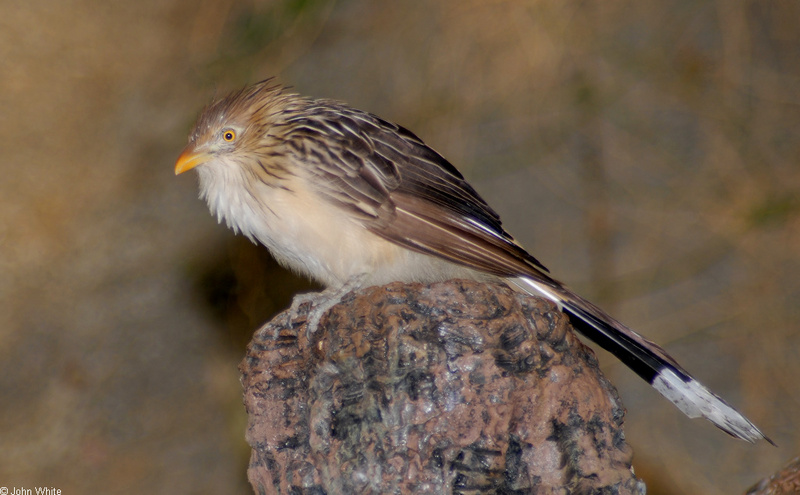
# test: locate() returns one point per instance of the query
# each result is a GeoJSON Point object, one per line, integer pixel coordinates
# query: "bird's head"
{"type": "Point", "coordinates": [233, 146]}
{"type": "Point", "coordinates": [232, 127]}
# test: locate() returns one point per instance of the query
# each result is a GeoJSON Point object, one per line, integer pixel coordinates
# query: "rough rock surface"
{"type": "Point", "coordinates": [784, 482]}
{"type": "Point", "coordinates": [456, 387]}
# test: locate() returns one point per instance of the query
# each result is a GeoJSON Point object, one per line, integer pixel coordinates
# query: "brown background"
{"type": "Point", "coordinates": [648, 154]}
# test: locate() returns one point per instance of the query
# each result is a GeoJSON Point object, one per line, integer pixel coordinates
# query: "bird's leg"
{"type": "Point", "coordinates": [321, 302]}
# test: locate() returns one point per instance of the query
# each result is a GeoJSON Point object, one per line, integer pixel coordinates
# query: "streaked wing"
{"type": "Point", "coordinates": [403, 190]}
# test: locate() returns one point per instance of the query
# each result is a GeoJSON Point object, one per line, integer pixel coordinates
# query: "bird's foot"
{"type": "Point", "coordinates": [321, 302]}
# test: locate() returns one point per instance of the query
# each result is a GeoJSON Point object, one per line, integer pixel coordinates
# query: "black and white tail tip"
{"type": "Point", "coordinates": [646, 359]}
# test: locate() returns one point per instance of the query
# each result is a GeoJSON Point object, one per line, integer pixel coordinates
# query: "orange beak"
{"type": "Point", "coordinates": [189, 159]}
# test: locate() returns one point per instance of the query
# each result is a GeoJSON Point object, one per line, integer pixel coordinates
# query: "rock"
{"type": "Point", "coordinates": [784, 482]}
{"type": "Point", "coordinates": [455, 387]}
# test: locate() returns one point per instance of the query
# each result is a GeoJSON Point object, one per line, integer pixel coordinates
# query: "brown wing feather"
{"type": "Point", "coordinates": [405, 191]}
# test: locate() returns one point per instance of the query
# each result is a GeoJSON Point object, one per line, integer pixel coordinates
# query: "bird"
{"type": "Point", "coordinates": [349, 199]}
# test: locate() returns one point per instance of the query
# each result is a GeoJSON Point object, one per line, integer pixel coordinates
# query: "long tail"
{"type": "Point", "coordinates": [646, 359]}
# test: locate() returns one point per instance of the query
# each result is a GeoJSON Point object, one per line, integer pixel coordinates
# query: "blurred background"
{"type": "Point", "coordinates": [647, 153]}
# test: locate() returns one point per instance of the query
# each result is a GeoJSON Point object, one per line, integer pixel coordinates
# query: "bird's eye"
{"type": "Point", "coordinates": [229, 135]}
